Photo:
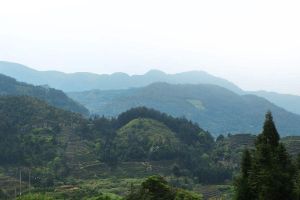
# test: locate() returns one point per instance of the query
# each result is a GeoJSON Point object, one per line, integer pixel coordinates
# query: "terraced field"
{"type": "Point", "coordinates": [11, 186]}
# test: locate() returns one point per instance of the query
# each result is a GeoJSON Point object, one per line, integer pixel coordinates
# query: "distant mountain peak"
{"type": "Point", "coordinates": [119, 74]}
{"type": "Point", "coordinates": [194, 72]}
{"type": "Point", "coordinates": [155, 72]}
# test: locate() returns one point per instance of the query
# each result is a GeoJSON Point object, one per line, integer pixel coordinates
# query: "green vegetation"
{"type": "Point", "coordinates": [9, 86]}
{"type": "Point", "coordinates": [146, 135]}
{"type": "Point", "coordinates": [30, 130]}
{"type": "Point", "coordinates": [36, 196]}
{"type": "Point", "coordinates": [66, 156]}
{"type": "Point", "coordinates": [157, 188]}
{"type": "Point", "coordinates": [158, 141]}
{"type": "Point", "coordinates": [61, 152]}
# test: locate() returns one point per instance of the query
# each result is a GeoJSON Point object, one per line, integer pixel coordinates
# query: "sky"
{"type": "Point", "coordinates": [255, 44]}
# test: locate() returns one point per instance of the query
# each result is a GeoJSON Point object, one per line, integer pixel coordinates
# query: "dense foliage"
{"type": "Point", "coordinates": [146, 139]}
{"type": "Point", "coordinates": [143, 134]}
{"type": "Point", "coordinates": [185, 129]}
{"type": "Point", "coordinates": [157, 188]}
{"type": "Point", "coordinates": [40, 137]}
{"type": "Point", "coordinates": [30, 136]}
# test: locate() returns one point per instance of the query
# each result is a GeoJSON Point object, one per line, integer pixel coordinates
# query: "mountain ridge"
{"type": "Point", "coordinates": [67, 82]}
{"type": "Point", "coordinates": [214, 108]}
{"type": "Point", "coordinates": [85, 81]}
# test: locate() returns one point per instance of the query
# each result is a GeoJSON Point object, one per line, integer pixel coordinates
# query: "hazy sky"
{"type": "Point", "coordinates": [255, 44]}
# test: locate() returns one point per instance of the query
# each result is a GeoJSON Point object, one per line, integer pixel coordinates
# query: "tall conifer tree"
{"type": "Point", "coordinates": [243, 191]}
{"type": "Point", "coordinates": [270, 172]}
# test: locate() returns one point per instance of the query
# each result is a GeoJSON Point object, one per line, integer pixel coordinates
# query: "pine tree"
{"type": "Point", "coordinates": [297, 179]}
{"type": "Point", "coordinates": [269, 136]}
{"type": "Point", "coordinates": [243, 190]}
{"type": "Point", "coordinates": [268, 173]}
{"type": "Point", "coordinates": [246, 163]}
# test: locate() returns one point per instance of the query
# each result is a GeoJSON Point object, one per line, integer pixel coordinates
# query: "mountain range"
{"type": "Point", "coordinates": [82, 81]}
{"type": "Point", "coordinates": [214, 108]}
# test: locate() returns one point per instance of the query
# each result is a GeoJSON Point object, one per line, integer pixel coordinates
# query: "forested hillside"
{"type": "Point", "coordinates": [215, 108]}
{"type": "Point", "coordinates": [56, 147]}
{"type": "Point", "coordinates": [9, 86]}
{"type": "Point", "coordinates": [31, 130]}
{"type": "Point", "coordinates": [72, 157]}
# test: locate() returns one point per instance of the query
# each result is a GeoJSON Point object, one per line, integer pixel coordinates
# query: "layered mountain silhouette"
{"type": "Point", "coordinates": [83, 81]}
{"type": "Point", "coordinates": [87, 81]}
{"type": "Point", "coordinates": [214, 108]}
{"type": "Point", "coordinates": [286, 101]}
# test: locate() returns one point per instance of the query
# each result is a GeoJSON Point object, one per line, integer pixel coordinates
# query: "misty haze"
{"type": "Point", "coordinates": [149, 100]}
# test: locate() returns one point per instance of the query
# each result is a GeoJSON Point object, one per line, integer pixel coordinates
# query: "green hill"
{"type": "Point", "coordinates": [146, 138]}
{"type": "Point", "coordinates": [214, 108]}
{"type": "Point", "coordinates": [9, 86]}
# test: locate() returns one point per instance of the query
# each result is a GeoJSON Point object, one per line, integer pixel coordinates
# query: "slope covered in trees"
{"type": "Point", "coordinates": [9, 86]}
{"type": "Point", "coordinates": [29, 130]}
{"type": "Point", "coordinates": [159, 142]}
{"type": "Point", "coordinates": [33, 136]}
{"type": "Point", "coordinates": [215, 108]}
{"type": "Point", "coordinates": [68, 155]}
{"type": "Point", "coordinates": [58, 147]}
{"type": "Point", "coordinates": [143, 134]}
